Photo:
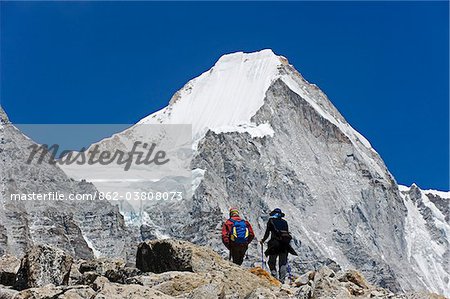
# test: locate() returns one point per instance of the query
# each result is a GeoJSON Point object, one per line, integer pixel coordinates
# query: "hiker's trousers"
{"type": "Point", "coordinates": [282, 264]}
{"type": "Point", "coordinates": [238, 253]}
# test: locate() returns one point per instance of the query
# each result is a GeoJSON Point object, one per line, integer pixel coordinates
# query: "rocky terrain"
{"type": "Point", "coordinates": [170, 269]}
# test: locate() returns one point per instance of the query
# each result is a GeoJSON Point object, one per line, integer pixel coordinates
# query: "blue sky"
{"type": "Point", "coordinates": [383, 64]}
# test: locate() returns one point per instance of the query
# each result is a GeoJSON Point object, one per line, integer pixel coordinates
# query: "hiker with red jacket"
{"type": "Point", "coordinates": [236, 235]}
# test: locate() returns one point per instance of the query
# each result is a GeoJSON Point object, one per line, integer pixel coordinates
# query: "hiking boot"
{"type": "Point", "coordinates": [274, 273]}
{"type": "Point", "coordinates": [283, 272]}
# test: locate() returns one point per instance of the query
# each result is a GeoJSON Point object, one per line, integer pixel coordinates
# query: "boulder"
{"type": "Point", "coordinates": [161, 256]}
{"type": "Point", "coordinates": [349, 284]}
{"type": "Point", "coordinates": [110, 290]}
{"type": "Point", "coordinates": [113, 269]}
{"type": "Point", "coordinates": [305, 292]}
{"type": "Point", "coordinates": [6, 293]}
{"type": "Point", "coordinates": [78, 292]}
{"type": "Point", "coordinates": [88, 277]}
{"type": "Point", "coordinates": [9, 265]}
{"type": "Point", "coordinates": [354, 277]}
{"type": "Point", "coordinates": [43, 265]}
{"type": "Point", "coordinates": [57, 292]}
{"type": "Point", "coordinates": [262, 293]}
{"type": "Point", "coordinates": [122, 274]}
{"type": "Point", "coordinates": [207, 291]}
{"type": "Point", "coordinates": [101, 265]}
{"type": "Point", "coordinates": [304, 279]}
{"type": "Point", "coordinates": [325, 283]}
{"type": "Point", "coordinates": [173, 283]}
{"type": "Point", "coordinates": [75, 275]}
{"type": "Point", "coordinates": [99, 283]}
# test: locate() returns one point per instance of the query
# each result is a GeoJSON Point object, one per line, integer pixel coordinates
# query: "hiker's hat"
{"type": "Point", "coordinates": [277, 213]}
{"type": "Point", "coordinates": [234, 212]}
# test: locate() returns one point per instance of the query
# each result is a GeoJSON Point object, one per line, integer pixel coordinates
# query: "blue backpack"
{"type": "Point", "coordinates": [239, 232]}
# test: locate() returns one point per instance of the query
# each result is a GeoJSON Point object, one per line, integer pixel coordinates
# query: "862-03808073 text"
{"type": "Point", "coordinates": [49, 196]}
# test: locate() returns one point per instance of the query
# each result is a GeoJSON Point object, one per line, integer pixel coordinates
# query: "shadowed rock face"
{"type": "Point", "coordinates": [159, 257]}
{"type": "Point", "coordinates": [9, 265]}
{"type": "Point", "coordinates": [442, 204]}
{"type": "Point", "coordinates": [43, 265]}
{"type": "Point", "coordinates": [65, 224]}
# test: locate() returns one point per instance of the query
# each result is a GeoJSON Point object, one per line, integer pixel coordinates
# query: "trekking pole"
{"type": "Point", "coordinates": [289, 272]}
{"type": "Point", "coordinates": [262, 256]}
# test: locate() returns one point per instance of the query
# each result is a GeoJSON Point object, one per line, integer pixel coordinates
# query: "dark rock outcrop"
{"type": "Point", "coordinates": [43, 265]}
{"type": "Point", "coordinates": [9, 265]}
{"type": "Point", "coordinates": [164, 256]}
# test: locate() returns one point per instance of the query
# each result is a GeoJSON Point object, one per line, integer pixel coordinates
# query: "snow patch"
{"type": "Point", "coordinates": [158, 232]}
{"type": "Point", "coordinates": [197, 177]}
{"type": "Point", "coordinates": [403, 188]}
{"type": "Point", "coordinates": [425, 254]}
{"type": "Point", "coordinates": [256, 131]}
{"type": "Point", "coordinates": [97, 253]}
{"type": "Point", "coordinates": [442, 194]}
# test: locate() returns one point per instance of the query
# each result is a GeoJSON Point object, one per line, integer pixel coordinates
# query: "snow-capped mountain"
{"type": "Point", "coordinates": [263, 137]}
{"type": "Point", "coordinates": [225, 97]}
{"type": "Point", "coordinates": [266, 138]}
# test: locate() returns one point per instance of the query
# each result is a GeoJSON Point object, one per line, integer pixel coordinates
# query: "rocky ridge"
{"type": "Point", "coordinates": [179, 269]}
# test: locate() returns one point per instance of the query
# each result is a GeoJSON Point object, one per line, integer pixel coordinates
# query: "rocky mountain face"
{"type": "Point", "coordinates": [81, 228]}
{"type": "Point", "coordinates": [264, 137]}
{"type": "Point", "coordinates": [175, 269]}
{"type": "Point", "coordinates": [427, 230]}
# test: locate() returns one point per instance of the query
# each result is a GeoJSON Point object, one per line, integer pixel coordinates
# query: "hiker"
{"type": "Point", "coordinates": [236, 235]}
{"type": "Point", "coordinates": [279, 244]}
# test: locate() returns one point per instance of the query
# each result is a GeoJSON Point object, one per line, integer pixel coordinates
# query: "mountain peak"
{"type": "Point", "coordinates": [242, 57]}
{"type": "Point", "coordinates": [228, 94]}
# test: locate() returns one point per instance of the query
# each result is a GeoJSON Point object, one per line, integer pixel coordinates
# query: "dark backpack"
{"type": "Point", "coordinates": [283, 236]}
{"type": "Point", "coordinates": [239, 232]}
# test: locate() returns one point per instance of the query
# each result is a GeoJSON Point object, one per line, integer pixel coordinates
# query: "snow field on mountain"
{"type": "Point", "coordinates": [425, 254]}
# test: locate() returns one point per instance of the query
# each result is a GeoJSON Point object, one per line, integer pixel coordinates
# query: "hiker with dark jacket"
{"type": "Point", "coordinates": [279, 244]}
{"type": "Point", "coordinates": [236, 235]}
